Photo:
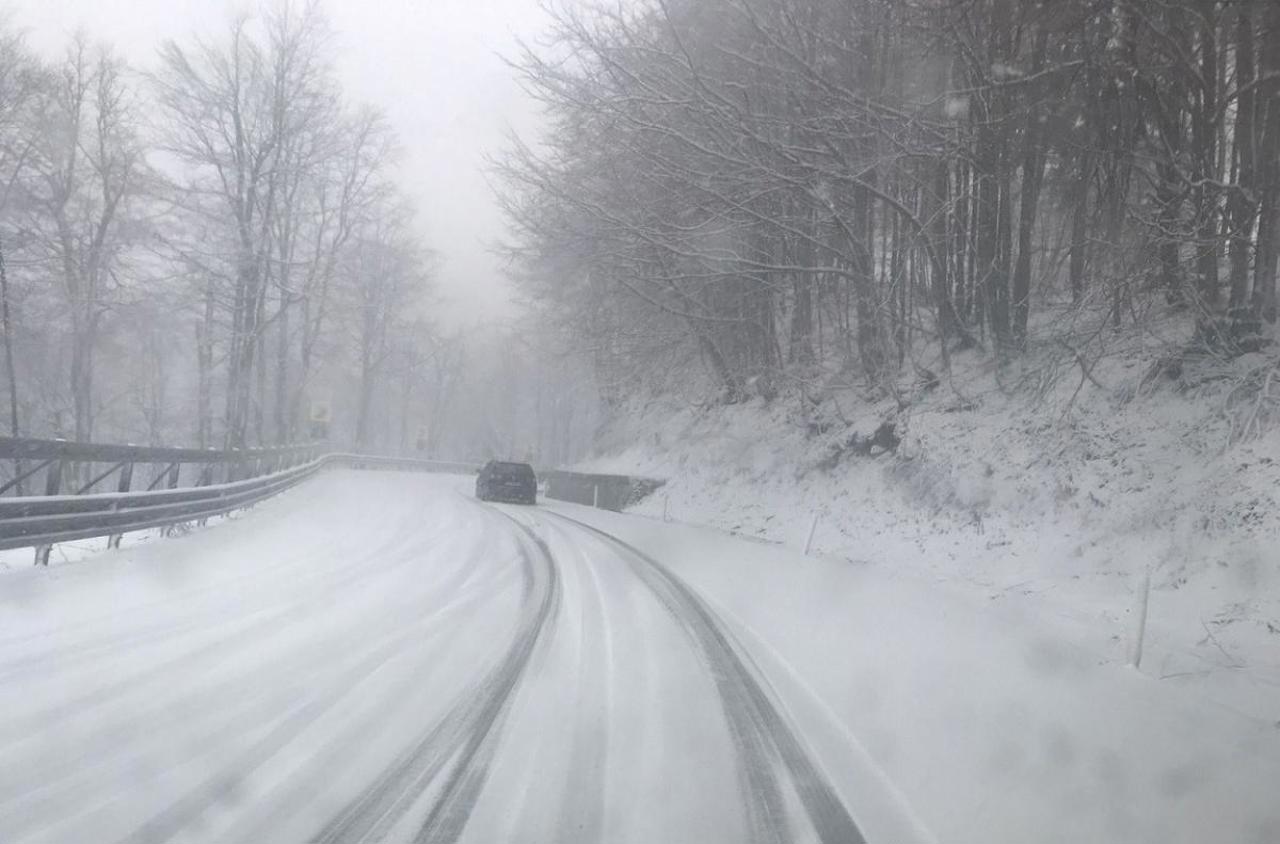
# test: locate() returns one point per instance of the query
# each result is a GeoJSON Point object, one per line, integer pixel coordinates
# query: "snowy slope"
{"type": "Point", "coordinates": [1055, 504]}
{"type": "Point", "coordinates": [988, 724]}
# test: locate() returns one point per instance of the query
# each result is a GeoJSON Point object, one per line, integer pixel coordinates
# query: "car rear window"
{"type": "Point", "coordinates": [513, 468]}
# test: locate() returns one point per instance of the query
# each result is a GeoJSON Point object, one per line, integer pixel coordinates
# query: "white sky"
{"type": "Point", "coordinates": [432, 65]}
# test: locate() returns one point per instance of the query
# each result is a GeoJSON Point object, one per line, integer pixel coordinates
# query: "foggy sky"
{"type": "Point", "coordinates": [431, 65]}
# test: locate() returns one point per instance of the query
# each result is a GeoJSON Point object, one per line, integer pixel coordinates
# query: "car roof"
{"type": "Point", "coordinates": [506, 464]}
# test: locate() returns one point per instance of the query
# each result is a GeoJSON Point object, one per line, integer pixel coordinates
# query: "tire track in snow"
{"type": "Point", "coordinates": [234, 714]}
{"type": "Point", "coordinates": [583, 807]}
{"type": "Point", "coordinates": [273, 619]}
{"type": "Point", "coordinates": [764, 739]}
{"type": "Point", "coordinates": [297, 794]}
{"type": "Point", "coordinates": [215, 718]}
{"type": "Point", "coordinates": [58, 656]}
{"type": "Point", "coordinates": [181, 814]}
{"type": "Point", "coordinates": [157, 673]}
{"type": "Point", "coordinates": [465, 737]}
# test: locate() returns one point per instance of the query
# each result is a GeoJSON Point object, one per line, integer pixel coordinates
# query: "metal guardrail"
{"type": "Point", "coordinates": [88, 490]}
{"type": "Point", "coordinates": [19, 448]}
{"type": "Point", "coordinates": [54, 467]}
{"type": "Point", "coordinates": [607, 492]}
{"type": "Point", "coordinates": [43, 520]}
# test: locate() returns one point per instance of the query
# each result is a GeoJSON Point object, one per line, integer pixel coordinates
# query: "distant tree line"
{"type": "Point", "coordinates": [770, 186]}
{"type": "Point", "coordinates": [198, 252]}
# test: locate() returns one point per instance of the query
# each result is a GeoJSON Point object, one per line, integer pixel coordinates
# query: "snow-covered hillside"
{"type": "Point", "coordinates": [1053, 489]}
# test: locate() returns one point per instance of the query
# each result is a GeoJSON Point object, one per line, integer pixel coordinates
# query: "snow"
{"type": "Point", "coordinates": [313, 669]}
{"type": "Point", "coordinates": [989, 724]}
{"type": "Point", "coordinates": [1056, 509]}
{"type": "Point", "coordinates": [73, 552]}
{"type": "Point", "coordinates": [132, 682]}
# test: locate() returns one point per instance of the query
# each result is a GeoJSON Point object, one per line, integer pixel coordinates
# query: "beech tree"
{"type": "Point", "coordinates": [210, 225]}
{"type": "Point", "coordinates": [83, 201]}
{"type": "Point", "coordinates": [866, 183]}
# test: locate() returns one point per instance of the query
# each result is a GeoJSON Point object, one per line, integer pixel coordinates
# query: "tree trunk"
{"type": "Point", "coordinates": [282, 406]}
{"type": "Point", "coordinates": [1268, 107]}
{"type": "Point", "coordinates": [1078, 261]}
{"type": "Point", "coordinates": [801, 335]}
{"type": "Point", "coordinates": [991, 277]}
{"type": "Point", "coordinates": [204, 369]}
{"type": "Point", "coordinates": [935, 208]}
{"type": "Point", "coordinates": [1205, 138]}
{"type": "Point", "coordinates": [365, 400]}
{"type": "Point", "coordinates": [82, 343]}
{"type": "Point", "coordinates": [6, 322]}
{"type": "Point", "coordinates": [992, 195]}
{"type": "Point", "coordinates": [1240, 205]}
{"type": "Point", "coordinates": [870, 341]}
{"type": "Point", "coordinates": [240, 354]}
{"type": "Point", "coordinates": [1033, 159]}
{"type": "Point", "coordinates": [732, 388]}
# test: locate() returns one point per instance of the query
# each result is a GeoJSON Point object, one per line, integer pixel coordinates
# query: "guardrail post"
{"type": "Point", "coordinates": [126, 481]}
{"type": "Point", "coordinates": [52, 485]}
{"type": "Point", "coordinates": [174, 473]}
{"type": "Point", "coordinates": [205, 479]}
{"type": "Point", "coordinates": [17, 474]}
{"type": "Point", "coordinates": [53, 480]}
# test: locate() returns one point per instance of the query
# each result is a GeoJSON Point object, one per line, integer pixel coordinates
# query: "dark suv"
{"type": "Point", "coordinates": [510, 482]}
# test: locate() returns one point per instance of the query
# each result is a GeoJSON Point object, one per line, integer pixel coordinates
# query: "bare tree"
{"type": "Point", "coordinates": [21, 80]}
{"type": "Point", "coordinates": [90, 166]}
{"type": "Point", "coordinates": [234, 113]}
{"type": "Point", "coordinates": [387, 277]}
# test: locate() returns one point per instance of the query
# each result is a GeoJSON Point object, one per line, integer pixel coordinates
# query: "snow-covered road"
{"type": "Point", "coordinates": [378, 657]}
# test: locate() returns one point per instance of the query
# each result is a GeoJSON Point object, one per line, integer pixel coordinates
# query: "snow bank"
{"type": "Point", "coordinates": [1050, 501]}
{"type": "Point", "coordinates": [984, 724]}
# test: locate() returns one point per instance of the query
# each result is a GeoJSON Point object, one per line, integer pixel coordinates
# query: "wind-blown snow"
{"type": "Point", "coordinates": [337, 663]}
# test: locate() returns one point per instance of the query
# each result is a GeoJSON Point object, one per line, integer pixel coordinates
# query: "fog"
{"type": "Point", "coordinates": [406, 105]}
{"type": "Point", "coordinates": [436, 68]}
{"type": "Point", "coordinates": [841, 421]}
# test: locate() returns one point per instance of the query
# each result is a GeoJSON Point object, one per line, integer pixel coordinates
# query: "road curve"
{"type": "Point", "coordinates": [380, 658]}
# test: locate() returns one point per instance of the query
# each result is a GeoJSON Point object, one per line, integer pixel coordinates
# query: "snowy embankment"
{"type": "Point", "coordinates": [982, 726]}
{"type": "Point", "coordinates": [1052, 506]}
{"type": "Point", "coordinates": [81, 550]}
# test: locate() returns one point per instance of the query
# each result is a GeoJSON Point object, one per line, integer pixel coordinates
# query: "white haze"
{"type": "Point", "coordinates": [435, 68]}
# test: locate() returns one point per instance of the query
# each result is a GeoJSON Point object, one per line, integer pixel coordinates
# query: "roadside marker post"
{"type": "Point", "coordinates": [813, 527]}
{"type": "Point", "coordinates": [1139, 640]}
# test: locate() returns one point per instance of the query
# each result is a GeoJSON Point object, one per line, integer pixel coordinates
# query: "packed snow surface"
{"type": "Point", "coordinates": [379, 657]}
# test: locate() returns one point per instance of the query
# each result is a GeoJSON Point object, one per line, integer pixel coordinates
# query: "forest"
{"type": "Point", "coordinates": [770, 193]}
{"type": "Point", "coordinates": [212, 250]}
{"type": "Point", "coordinates": [731, 199]}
